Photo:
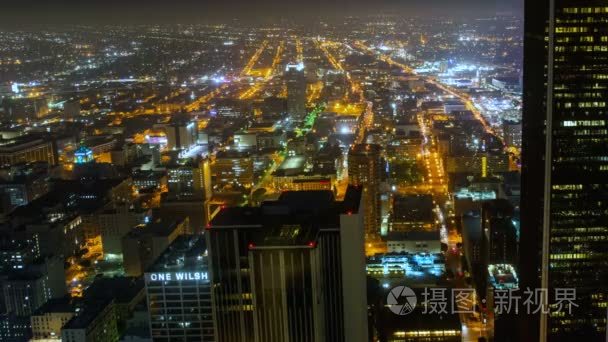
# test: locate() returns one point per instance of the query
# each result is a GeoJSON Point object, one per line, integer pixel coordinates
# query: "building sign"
{"type": "Point", "coordinates": [177, 276]}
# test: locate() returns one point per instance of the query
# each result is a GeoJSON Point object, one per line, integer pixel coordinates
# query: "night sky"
{"type": "Point", "coordinates": [27, 12]}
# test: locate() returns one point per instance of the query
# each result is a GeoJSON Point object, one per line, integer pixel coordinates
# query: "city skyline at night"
{"type": "Point", "coordinates": [276, 171]}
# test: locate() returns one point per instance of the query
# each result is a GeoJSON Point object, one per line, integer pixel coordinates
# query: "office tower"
{"type": "Point", "coordinates": [296, 90]}
{"type": "Point", "coordinates": [179, 292]}
{"type": "Point", "coordinates": [564, 185]}
{"type": "Point", "coordinates": [286, 299]}
{"type": "Point", "coordinates": [189, 189]}
{"type": "Point", "coordinates": [512, 133]}
{"type": "Point", "coordinates": [233, 168]}
{"type": "Point", "coordinates": [499, 233]}
{"type": "Point", "coordinates": [181, 134]}
{"type": "Point", "coordinates": [24, 183]}
{"type": "Point", "coordinates": [26, 290]}
{"type": "Point", "coordinates": [314, 247]}
{"type": "Point", "coordinates": [364, 169]}
{"type": "Point", "coordinates": [143, 244]}
{"type": "Point", "coordinates": [190, 178]}
{"type": "Point", "coordinates": [114, 223]}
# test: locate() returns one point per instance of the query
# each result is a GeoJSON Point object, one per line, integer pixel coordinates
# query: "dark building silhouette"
{"type": "Point", "coordinates": [564, 185]}
{"type": "Point", "coordinates": [292, 269]}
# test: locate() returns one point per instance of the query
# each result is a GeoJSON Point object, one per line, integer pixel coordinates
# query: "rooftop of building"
{"type": "Point", "coordinates": [158, 228]}
{"type": "Point", "coordinates": [20, 142]}
{"type": "Point", "coordinates": [503, 276]}
{"type": "Point", "coordinates": [148, 175]}
{"type": "Point", "coordinates": [74, 195]}
{"type": "Point", "coordinates": [55, 305]}
{"type": "Point", "coordinates": [413, 235]}
{"type": "Point", "coordinates": [453, 102]}
{"type": "Point", "coordinates": [121, 289]}
{"type": "Point", "coordinates": [231, 154]}
{"type": "Point", "coordinates": [413, 208]}
{"type": "Point", "coordinates": [418, 325]}
{"type": "Point", "coordinates": [365, 149]}
{"type": "Point", "coordinates": [262, 126]}
{"type": "Point", "coordinates": [296, 162]}
{"type": "Point", "coordinates": [415, 267]}
{"type": "Point", "coordinates": [291, 166]}
{"type": "Point", "coordinates": [292, 207]}
{"type": "Point", "coordinates": [86, 313]}
{"type": "Point", "coordinates": [96, 140]}
{"type": "Point", "coordinates": [185, 252]}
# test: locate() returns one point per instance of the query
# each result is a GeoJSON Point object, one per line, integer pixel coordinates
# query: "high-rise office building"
{"type": "Point", "coordinates": [24, 292]}
{"type": "Point", "coordinates": [290, 270]}
{"type": "Point", "coordinates": [564, 174]}
{"type": "Point", "coordinates": [233, 167]}
{"type": "Point", "coordinates": [179, 292]}
{"type": "Point", "coordinates": [364, 169]}
{"type": "Point", "coordinates": [181, 134]}
{"type": "Point", "coordinates": [296, 90]}
{"type": "Point", "coordinates": [190, 178]}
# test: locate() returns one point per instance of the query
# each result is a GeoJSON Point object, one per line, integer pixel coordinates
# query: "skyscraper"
{"type": "Point", "coordinates": [179, 293]}
{"type": "Point", "coordinates": [564, 172]}
{"type": "Point", "coordinates": [290, 270]}
{"type": "Point", "coordinates": [364, 169]}
{"type": "Point", "coordinates": [296, 90]}
{"type": "Point", "coordinates": [181, 134]}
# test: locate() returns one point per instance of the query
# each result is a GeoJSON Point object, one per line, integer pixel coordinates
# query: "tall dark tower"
{"type": "Point", "coordinates": [364, 169]}
{"type": "Point", "coordinates": [296, 90]}
{"type": "Point", "coordinates": [564, 230]}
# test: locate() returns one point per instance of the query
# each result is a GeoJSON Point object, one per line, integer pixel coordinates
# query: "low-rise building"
{"type": "Point", "coordinates": [50, 318]}
{"type": "Point", "coordinates": [94, 322]}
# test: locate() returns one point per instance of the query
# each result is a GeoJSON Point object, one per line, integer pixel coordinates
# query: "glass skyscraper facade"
{"type": "Point", "coordinates": [565, 172]}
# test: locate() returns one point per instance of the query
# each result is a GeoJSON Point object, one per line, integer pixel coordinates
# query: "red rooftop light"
{"type": "Point", "coordinates": [312, 244]}
{"type": "Point", "coordinates": [251, 245]}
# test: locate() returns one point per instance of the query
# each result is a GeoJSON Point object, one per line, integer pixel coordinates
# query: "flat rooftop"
{"type": "Point", "coordinates": [292, 207]}
{"type": "Point", "coordinates": [85, 315]}
{"type": "Point", "coordinates": [411, 266]}
{"type": "Point", "coordinates": [121, 289]}
{"type": "Point", "coordinates": [21, 142]}
{"type": "Point", "coordinates": [63, 304]}
{"type": "Point", "coordinates": [293, 163]}
{"type": "Point", "coordinates": [413, 208]}
{"type": "Point", "coordinates": [160, 228]}
{"type": "Point", "coordinates": [503, 276]}
{"type": "Point", "coordinates": [185, 252]}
